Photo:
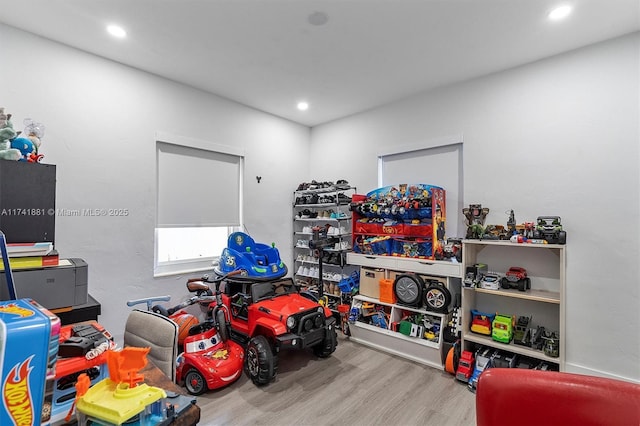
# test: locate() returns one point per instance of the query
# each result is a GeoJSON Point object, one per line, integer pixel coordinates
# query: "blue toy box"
{"type": "Point", "coordinates": [28, 355]}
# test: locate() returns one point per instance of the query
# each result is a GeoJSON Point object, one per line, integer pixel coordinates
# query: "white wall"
{"type": "Point", "coordinates": [556, 137]}
{"type": "Point", "coordinates": [101, 119]}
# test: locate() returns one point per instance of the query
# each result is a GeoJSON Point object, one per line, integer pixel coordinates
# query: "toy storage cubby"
{"type": "Point", "coordinates": [405, 220]}
{"type": "Point", "coordinates": [328, 208]}
{"type": "Point", "coordinates": [544, 302]}
{"type": "Point", "coordinates": [420, 349]}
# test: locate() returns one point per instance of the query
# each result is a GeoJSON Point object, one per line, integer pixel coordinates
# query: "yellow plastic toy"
{"type": "Point", "coordinates": [121, 396]}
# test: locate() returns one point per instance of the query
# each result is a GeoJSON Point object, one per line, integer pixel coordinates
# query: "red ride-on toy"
{"type": "Point", "coordinates": [210, 360]}
{"type": "Point", "coordinates": [270, 316]}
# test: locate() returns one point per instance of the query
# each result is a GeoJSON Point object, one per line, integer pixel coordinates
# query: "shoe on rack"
{"type": "Point", "coordinates": [300, 270]}
{"type": "Point", "coordinates": [342, 184]}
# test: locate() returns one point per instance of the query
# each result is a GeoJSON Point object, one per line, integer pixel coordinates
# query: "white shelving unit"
{"type": "Point", "coordinates": [417, 349]}
{"type": "Point", "coordinates": [544, 302]}
{"type": "Point", "coordinates": [335, 204]}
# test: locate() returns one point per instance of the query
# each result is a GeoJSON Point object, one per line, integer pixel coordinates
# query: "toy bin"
{"type": "Point", "coordinates": [28, 355]}
{"type": "Point", "coordinates": [374, 245]}
{"type": "Point", "coordinates": [415, 247]}
{"type": "Point", "coordinates": [370, 281]}
{"type": "Point", "coordinates": [387, 294]}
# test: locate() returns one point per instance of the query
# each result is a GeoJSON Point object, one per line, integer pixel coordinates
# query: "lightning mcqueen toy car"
{"type": "Point", "coordinates": [208, 363]}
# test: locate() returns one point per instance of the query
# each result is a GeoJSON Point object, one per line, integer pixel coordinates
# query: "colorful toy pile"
{"type": "Point", "coordinates": [401, 220]}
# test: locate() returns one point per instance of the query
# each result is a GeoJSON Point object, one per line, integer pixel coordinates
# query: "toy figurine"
{"type": "Point", "coordinates": [511, 223]}
{"type": "Point", "coordinates": [475, 215]}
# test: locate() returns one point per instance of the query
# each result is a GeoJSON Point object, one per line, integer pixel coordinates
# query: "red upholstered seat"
{"type": "Point", "coordinates": [512, 396]}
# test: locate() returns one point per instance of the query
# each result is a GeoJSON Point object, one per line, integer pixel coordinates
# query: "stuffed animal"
{"type": "Point", "coordinates": [34, 131]}
{"type": "Point", "coordinates": [6, 135]}
{"type": "Point", "coordinates": [26, 148]}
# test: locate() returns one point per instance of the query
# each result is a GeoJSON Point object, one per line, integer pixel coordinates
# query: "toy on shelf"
{"type": "Point", "coordinates": [412, 290]}
{"type": "Point", "coordinates": [473, 274]}
{"type": "Point", "coordinates": [465, 366]}
{"type": "Point", "coordinates": [406, 220]}
{"type": "Point", "coordinates": [490, 281]}
{"type": "Point", "coordinates": [516, 277]}
{"type": "Point", "coordinates": [551, 344]}
{"type": "Point", "coordinates": [521, 333]}
{"type": "Point", "coordinates": [484, 358]}
{"type": "Point", "coordinates": [502, 328]}
{"type": "Point", "coordinates": [481, 322]}
{"type": "Point", "coordinates": [549, 229]}
{"type": "Point", "coordinates": [475, 215]}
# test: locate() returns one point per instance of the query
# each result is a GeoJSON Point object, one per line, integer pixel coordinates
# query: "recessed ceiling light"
{"type": "Point", "coordinates": [560, 12]}
{"type": "Point", "coordinates": [303, 106]}
{"type": "Point", "coordinates": [318, 18]}
{"type": "Point", "coordinates": [116, 31]}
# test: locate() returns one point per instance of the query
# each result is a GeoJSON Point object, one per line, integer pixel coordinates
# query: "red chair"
{"type": "Point", "coordinates": [513, 396]}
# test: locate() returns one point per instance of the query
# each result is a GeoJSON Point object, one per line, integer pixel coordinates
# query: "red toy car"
{"type": "Point", "coordinates": [516, 277]}
{"type": "Point", "coordinates": [465, 366]}
{"type": "Point", "coordinates": [208, 363]}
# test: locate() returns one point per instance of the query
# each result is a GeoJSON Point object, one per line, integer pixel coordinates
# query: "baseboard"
{"type": "Point", "coordinates": [579, 369]}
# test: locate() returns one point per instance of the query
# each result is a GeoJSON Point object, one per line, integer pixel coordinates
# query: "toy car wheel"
{"type": "Point", "coordinates": [408, 289]}
{"type": "Point", "coordinates": [260, 363]}
{"type": "Point", "coordinates": [522, 285]}
{"type": "Point", "coordinates": [328, 345]}
{"type": "Point", "coordinates": [222, 325]}
{"type": "Point", "coordinates": [437, 298]}
{"type": "Point", "coordinates": [195, 382]}
{"type": "Point", "coordinates": [562, 237]}
{"type": "Point", "coordinates": [527, 282]}
{"type": "Point", "coordinates": [504, 283]}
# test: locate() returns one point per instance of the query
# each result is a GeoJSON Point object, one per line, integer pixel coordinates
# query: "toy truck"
{"type": "Point", "coordinates": [465, 366]}
{"type": "Point", "coordinates": [271, 316]}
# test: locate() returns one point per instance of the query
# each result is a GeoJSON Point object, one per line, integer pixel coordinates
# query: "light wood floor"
{"type": "Point", "coordinates": [357, 385]}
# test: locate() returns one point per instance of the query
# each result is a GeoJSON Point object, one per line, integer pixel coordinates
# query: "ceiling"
{"type": "Point", "coordinates": [267, 55]}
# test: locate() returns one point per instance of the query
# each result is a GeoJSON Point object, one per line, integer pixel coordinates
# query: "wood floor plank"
{"type": "Point", "coordinates": [357, 385]}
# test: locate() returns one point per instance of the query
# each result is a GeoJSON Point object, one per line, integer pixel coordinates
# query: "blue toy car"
{"type": "Point", "coordinates": [259, 262]}
{"type": "Point", "coordinates": [483, 361]}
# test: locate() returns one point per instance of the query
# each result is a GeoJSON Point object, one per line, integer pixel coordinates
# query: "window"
{"type": "Point", "coordinates": [436, 162]}
{"type": "Point", "coordinates": [199, 202]}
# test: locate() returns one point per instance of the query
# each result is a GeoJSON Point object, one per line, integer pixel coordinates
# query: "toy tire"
{"type": "Point", "coordinates": [528, 283]}
{"type": "Point", "coordinates": [260, 363]}
{"type": "Point", "coordinates": [408, 289]}
{"type": "Point", "coordinates": [328, 345]}
{"type": "Point", "coordinates": [437, 298]}
{"type": "Point", "coordinates": [504, 283]}
{"type": "Point", "coordinates": [562, 237]}
{"type": "Point", "coordinates": [222, 325]}
{"type": "Point", "coordinates": [160, 310]}
{"type": "Point", "coordinates": [195, 382]}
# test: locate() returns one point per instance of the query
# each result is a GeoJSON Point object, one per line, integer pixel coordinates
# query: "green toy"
{"type": "Point", "coordinates": [6, 135]}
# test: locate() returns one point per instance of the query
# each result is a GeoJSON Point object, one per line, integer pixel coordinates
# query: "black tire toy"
{"type": "Point", "coordinates": [436, 297]}
{"type": "Point", "coordinates": [408, 289]}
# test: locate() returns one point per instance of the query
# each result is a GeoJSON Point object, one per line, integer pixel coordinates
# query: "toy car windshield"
{"type": "Point", "coordinates": [202, 344]}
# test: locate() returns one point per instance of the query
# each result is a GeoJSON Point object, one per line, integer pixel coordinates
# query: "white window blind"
{"type": "Point", "coordinates": [197, 187]}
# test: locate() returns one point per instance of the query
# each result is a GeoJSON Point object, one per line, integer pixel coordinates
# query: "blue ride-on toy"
{"type": "Point", "coordinates": [258, 261]}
